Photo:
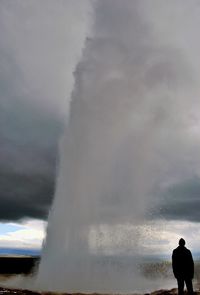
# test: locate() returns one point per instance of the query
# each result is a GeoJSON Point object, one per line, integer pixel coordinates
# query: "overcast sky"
{"type": "Point", "coordinates": [36, 73]}
{"type": "Point", "coordinates": [36, 77]}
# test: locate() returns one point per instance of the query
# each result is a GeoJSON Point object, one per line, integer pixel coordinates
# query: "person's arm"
{"type": "Point", "coordinates": [191, 265]}
{"type": "Point", "coordinates": [174, 264]}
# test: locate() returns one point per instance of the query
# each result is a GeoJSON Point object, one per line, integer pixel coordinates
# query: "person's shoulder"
{"type": "Point", "coordinates": [175, 250]}
{"type": "Point", "coordinates": [188, 251]}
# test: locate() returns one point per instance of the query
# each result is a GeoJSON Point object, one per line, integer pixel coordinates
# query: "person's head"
{"type": "Point", "coordinates": [181, 242]}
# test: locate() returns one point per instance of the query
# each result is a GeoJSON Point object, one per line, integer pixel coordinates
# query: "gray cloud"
{"type": "Point", "coordinates": [180, 201]}
{"type": "Point", "coordinates": [37, 58]}
{"type": "Point", "coordinates": [28, 152]}
{"type": "Point", "coordinates": [28, 149]}
{"type": "Point", "coordinates": [37, 41]}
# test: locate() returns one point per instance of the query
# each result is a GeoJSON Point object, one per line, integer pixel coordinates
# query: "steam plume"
{"type": "Point", "coordinates": [134, 91]}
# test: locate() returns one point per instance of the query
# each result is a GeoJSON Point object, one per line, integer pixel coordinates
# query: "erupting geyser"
{"type": "Point", "coordinates": [121, 106]}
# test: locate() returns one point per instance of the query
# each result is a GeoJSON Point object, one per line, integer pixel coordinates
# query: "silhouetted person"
{"type": "Point", "coordinates": [183, 267]}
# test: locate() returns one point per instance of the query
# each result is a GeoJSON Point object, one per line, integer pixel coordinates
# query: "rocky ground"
{"type": "Point", "coordinates": [27, 292]}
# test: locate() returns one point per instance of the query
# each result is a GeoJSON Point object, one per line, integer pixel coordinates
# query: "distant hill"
{"type": "Point", "coordinates": [19, 252]}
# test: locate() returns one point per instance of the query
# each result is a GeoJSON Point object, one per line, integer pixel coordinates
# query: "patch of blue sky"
{"type": "Point", "coordinates": [9, 227]}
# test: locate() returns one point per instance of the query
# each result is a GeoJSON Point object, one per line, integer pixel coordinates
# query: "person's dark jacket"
{"type": "Point", "coordinates": [182, 263]}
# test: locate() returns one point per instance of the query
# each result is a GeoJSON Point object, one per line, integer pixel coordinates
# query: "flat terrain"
{"type": "Point", "coordinates": [27, 292]}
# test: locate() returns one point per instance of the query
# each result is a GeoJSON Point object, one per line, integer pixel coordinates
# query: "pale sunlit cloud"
{"type": "Point", "coordinates": [28, 234]}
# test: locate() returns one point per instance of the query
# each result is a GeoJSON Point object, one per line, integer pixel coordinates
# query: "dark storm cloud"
{"type": "Point", "coordinates": [37, 58]}
{"type": "Point", "coordinates": [181, 201]}
{"type": "Point", "coordinates": [28, 151]}
{"type": "Point", "coordinates": [28, 148]}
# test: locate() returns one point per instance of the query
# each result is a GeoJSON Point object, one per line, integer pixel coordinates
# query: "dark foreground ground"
{"type": "Point", "coordinates": [27, 292]}
{"type": "Point", "coordinates": [18, 265]}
